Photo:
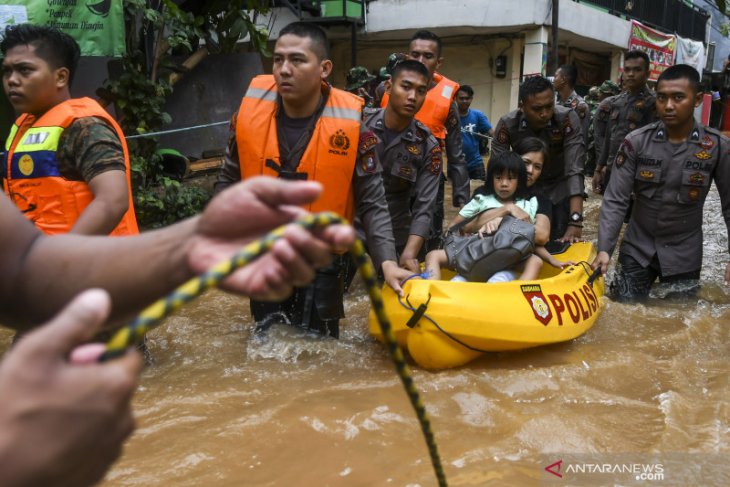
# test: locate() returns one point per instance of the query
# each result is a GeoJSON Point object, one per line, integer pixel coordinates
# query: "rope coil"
{"type": "Point", "coordinates": [152, 316]}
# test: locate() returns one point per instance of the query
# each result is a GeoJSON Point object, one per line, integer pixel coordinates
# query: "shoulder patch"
{"type": "Point", "coordinates": [582, 110]}
{"type": "Point", "coordinates": [503, 135]}
{"type": "Point", "coordinates": [368, 162]}
{"type": "Point", "coordinates": [707, 142]}
{"type": "Point", "coordinates": [436, 160]}
{"type": "Point", "coordinates": [368, 140]}
{"type": "Point", "coordinates": [567, 126]}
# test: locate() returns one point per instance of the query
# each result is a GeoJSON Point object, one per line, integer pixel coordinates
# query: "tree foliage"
{"type": "Point", "coordinates": [158, 33]}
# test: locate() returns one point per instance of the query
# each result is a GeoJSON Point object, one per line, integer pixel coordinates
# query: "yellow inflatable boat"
{"type": "Point", "coordinates": [463, 320]}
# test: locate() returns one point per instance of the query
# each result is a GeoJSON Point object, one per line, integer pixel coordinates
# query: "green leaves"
{"type": "Point", "coordinates": [139, 93]}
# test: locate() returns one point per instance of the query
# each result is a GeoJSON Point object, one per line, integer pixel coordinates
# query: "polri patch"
{"type": "Point", "coordinates": [693, 194]}
{"type": "Point", "coordinates": [503, 136]}
{"type": "Point", "coordinates": [567, 127]}
{"type": "Point", "coordinates": [436, 160]}
{"type": "Point", "coordinates": [707, 143]}
{"type": "Point", "coordinates": [368, 140]}
{"type": "Point", "coordinates": [368, 162]}
{"type": "Point", "coordinates": [697, 179]}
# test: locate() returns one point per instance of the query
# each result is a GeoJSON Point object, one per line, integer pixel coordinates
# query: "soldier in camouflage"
{"type": "Point", "coordinates": [596, 95]}
{"type": "Point", "coordinates": [358, 83]}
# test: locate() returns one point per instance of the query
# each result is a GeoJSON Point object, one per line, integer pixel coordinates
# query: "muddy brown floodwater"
{"type": "Point", "coordinates": [221, 406]}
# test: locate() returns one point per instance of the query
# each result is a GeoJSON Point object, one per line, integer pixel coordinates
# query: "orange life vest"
{"type": "Point", "coordinates": [330, 156]}
{"type": "Point", "coordinates": [435, 109]}
{"type": "Point", "coordinates": [33, 181]}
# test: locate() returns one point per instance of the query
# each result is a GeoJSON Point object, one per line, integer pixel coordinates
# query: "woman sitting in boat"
{"type": "Point", "coordinates": [505, 192]}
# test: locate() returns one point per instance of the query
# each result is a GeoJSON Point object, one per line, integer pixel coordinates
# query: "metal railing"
{"type": "Point", "coordinates": [673, 16]}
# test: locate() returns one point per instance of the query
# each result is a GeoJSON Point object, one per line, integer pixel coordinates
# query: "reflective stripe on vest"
{"type": "Point", "coordinates": [330, 156]}
{"type": "Point", "coordinates": [33, 180]}
{"type": "Point", "coordinates": [435, 109]}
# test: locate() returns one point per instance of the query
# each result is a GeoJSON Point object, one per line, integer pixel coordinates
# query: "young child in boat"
{"type": "Point", "coordinates": [505, 186]}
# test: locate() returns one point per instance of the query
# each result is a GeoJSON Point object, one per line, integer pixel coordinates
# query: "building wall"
{"type": "Point", "coordinates": [466, 60]}
{"type": "Point", "coordinates": [474, 33]}
{"type": "Point", "coordinates": [722, 43]}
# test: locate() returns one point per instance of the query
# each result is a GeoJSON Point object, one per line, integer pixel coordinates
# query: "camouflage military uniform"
{"type": "Point", "coordinates": [358, 83]}
{"type": "Point", "coordinates": [664, 236]}
{"type": "Point", "coordinates": [562, 176]}
{"type": "Point", "coordinates": [87, 148]}
{"type": "Point", "coordinates": [411, 163]}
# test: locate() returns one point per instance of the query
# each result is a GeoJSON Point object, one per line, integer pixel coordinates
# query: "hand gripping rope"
{"type": "Point", "coordinates": [151, 316]}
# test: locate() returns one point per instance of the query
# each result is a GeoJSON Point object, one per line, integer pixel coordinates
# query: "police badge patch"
{"type": "Point", "coordinates": [368, 162]}
{"type": "Point", "coordinates": [436, 160]}
{"type": "Point", "coordinates": [697, 179]}
{"type": "Point", "coordinates": [340, 141]}
{"type": "Point", "coordinates": [503, 136]}
{"type": "Point", "coordinates": [413, 149]}
{"type": "Point", "coordinates": [707, 143]}
{"type": "Point", "coordinates": [620, 158]}
{"type": "Point", "coordinates": [567, 127]}
{"type": "Point", "coordinates": [702, 155]}
{"type": "Point", "coordinates": [368, 140]}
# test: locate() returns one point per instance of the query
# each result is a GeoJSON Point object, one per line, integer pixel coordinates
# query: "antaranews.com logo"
{"type": "Point", "coordinates": [640, 472]}
{"type": "Point", "coordinates": [708, 469]}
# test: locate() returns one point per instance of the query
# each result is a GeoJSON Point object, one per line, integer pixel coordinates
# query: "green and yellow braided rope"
{"type": "Point", "coordinates": [153, 315]}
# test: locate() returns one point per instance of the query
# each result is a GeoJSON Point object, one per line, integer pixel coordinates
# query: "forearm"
{"type": "Point", "coordinates": [154, 263]}
{"type": "Point", "coordinates": [474, 225]}
{"type": "Point", "coordinates": [100, 217]}
{"type": "Point", "coordinates": [413, 245]}
{"type": "Point", "coordinates": [576, 204]}
{"type": "Point", "coordinates": [542, 229]}
{"type": "Point", "coordinates": [230, 170]}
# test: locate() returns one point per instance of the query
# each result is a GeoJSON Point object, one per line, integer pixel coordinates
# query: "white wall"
{"type": "Point", "coordinates": [471, 30]}
{"type": "Point", "coordinates": [466, 60]}
{"type": "Point", "coordinates": [494, 15]}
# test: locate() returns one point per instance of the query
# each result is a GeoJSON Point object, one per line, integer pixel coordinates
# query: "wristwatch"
{"type": "Point", "coordinates": [576, 217]}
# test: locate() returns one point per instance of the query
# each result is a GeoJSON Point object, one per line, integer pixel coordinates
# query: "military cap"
{"type": "Point", "coordinates": [393, 60]}
{"type": "Point", "coordinates": [609, 87]}
{"type": "Point", "coordinates": [358, 77]}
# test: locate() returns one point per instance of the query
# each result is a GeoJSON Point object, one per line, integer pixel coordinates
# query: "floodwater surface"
{"type": "Point", "coordinates": [223, 406]}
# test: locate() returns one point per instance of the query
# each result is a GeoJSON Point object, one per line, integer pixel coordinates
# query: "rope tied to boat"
{"type": "Point", "coordinates": [420, 312]}
{"type": "Point", "coordinates": [152, 316]}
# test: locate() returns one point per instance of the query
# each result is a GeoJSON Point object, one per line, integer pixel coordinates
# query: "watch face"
{"type": "Point", "coordinates": [576, 217]}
